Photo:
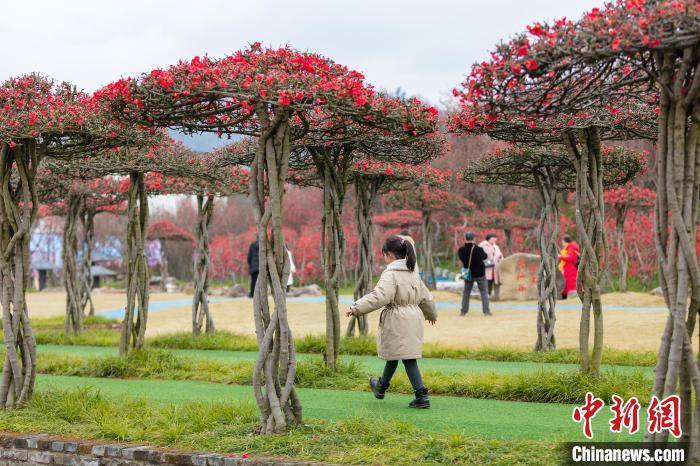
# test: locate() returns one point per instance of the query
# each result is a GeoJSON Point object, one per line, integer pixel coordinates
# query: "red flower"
{"type": "Point", "coordinates": [531, 65]}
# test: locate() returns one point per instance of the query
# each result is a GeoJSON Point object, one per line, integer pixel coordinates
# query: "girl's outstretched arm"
{"type": "Point", "coordinates": [382, 295]}
{"type": "Point", "coordinates": [426, 304]}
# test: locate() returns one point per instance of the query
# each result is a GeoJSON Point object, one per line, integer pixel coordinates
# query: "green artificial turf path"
{"type": "Point", "coordinates": [485, 418]}
{"type": "Point", "coordinates": [368, 363]}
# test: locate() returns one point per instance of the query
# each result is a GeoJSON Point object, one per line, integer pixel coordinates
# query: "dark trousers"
{"type": "Point", "coordinates": [483, 291]}
{"type": "Point", "coordinates": [253, 281]}
{"type": "Point", "coordinates": [412, 371]}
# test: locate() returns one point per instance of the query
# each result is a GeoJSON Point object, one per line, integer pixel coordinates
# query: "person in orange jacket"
{"type": "Point", "coordinates": [568, 264]}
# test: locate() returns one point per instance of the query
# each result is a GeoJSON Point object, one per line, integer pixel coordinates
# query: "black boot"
{"type": "Point", "coordinates": [378, 388]}
{"type": "Point", "coordinates": [422, 400]}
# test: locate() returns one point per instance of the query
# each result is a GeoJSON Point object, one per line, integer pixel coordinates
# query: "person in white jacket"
{"type": "Point", "coordinates": [292, 270]}
{"type": "Point", "coordinates": [490, 246]}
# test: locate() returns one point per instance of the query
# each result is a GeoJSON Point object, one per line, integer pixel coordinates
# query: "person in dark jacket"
{"type": "Point", "coordinates": [473, 257]}
{"type": "Point", "coordinates": [253, 265]}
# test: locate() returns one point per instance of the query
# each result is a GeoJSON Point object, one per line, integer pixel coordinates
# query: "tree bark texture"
{"type": "Point", "coordinates": [275, 367]}
{"type": "Point", "coordinates": [200, 302]}
{"type": "Point", "coordinates": [676, 217]}
{"type": "Point", "coordinates": [72, 274]}
{"type": "Point", "coordinates": [87, 280]}
{"type": "Point", "coordinates": [332, 247]}
{"type": "Point", "coordinates": [428, 232]}
{"type": "Point", "coordinates": [137, 276]}
{"type": "Point", "coordinates": [366, 193]}
{"type": "Point", "coordinates": [622, 256]}
{"type": "Point", "coordinates": [583, 147]}
{"type": "Point", "coordinates": [547, 233]}
{"type": "Point", "coordinates": [18, 211]}
{"type": "Point", "coordinates": [163, 265]}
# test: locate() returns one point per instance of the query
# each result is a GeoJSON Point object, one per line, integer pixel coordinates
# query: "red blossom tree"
{"type": "Point", "coordinates": [79, 202]}
{"type": "Point", "coordinates": [167, 168]}
{"type": "Point", "coordinates": [620, 201]}
{"type": "Point", "coordinates": [613, 53]}
{"type": "Point", "coordinates": [38, 120]}
{"type": "Point", "coordinates": [164, 231]}
{"type": "Point", "coordinates": [271, 94]}
{"type": "Point", "coordinates": [546, 169]}
{"type": "Point", "coordinates": [523, 94]}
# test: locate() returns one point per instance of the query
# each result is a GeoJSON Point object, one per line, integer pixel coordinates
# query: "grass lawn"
{"type": "Point", "coordinates": [368, 363]}
{"type": "Point", "coordinates": [484, 418]}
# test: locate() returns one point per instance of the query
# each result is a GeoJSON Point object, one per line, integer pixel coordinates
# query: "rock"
{"type": "Point", "coordinates": [235, 291]}
{"type": "Point", "coordinates": [518, 274]}
{"type": "Point", "coordinates": [657, 291]}
{"type": "Point", "coordinates": [301, 291]}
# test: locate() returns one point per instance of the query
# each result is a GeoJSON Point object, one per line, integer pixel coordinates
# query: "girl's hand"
{"type": "Point", "coordinates": [349, 313]}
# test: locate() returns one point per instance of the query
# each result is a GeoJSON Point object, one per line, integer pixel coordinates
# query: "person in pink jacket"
{"type": "Point", "coordinates": [490, 246]}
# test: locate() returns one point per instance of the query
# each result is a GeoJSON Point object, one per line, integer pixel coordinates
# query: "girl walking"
{"type": "Point", "coordinates": [405, 302]}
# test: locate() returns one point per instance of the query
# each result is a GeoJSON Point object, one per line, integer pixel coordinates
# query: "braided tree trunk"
{"type": "Point", "coordinates": [428, 233]}
{"type": "Point", "coordinates": [275, 367]}
{"type": "Point", "coordinates": [200, 302]}
{"type": "Point", "coordinates": [332, 249]}
{"type": "Point", "coordinates": [622, 256]}
{"type": "Point", "coordinates": [86, 280]}
{"type": "Point", "coordinates": [72, 275]}
{"type": "Point", "coordinates": [366, 192]}
{"type": "Point", "coordinates": [17, 214]}
{"type": "Point", "coordinates": [584, 152]}
{"type": "Point", "coordinates": [163, 265]}
{"type": "Point", "coordinates": [676, 212]}
{"type": "Point", "coordinates": [133, 332]}
{"type": "Point", "coordinates": [547, 233]}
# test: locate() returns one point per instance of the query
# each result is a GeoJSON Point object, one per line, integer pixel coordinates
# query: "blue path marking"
{"type": "Point", "coordinates": [156, 306]}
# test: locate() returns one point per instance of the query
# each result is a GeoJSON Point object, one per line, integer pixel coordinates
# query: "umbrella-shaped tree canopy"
{"type": "Point", "coordinates": [165, 230]}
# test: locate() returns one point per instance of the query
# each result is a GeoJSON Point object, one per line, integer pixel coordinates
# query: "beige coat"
{"type": "Point", "coordinates": [405, 302]}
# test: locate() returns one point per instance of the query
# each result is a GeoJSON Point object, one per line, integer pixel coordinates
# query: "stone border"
{"type": "Point", "coordinates": [40, 449]}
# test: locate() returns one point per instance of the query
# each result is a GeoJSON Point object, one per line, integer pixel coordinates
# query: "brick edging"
{"type": "Point", "coordinates": [40, 449]}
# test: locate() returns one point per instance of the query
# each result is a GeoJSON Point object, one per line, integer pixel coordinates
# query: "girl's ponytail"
{"type": "Point", "coordinates": [410, 255]}
{"type": "Point", "coordinates": [401, 248]}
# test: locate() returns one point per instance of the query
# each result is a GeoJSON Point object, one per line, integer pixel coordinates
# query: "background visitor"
{"type": "Point", "coordinates": [568, 264]}
{"type": "Point", "coordinates": [495, 256]}
{"type": "Point", "coordinates": [474, 270]}
{"type": "Point", "coordinates": [253, 265]}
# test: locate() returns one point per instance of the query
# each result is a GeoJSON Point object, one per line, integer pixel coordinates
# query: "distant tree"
{"type": "Point", "coordinates": [39, 120]}
{"type": "Point", "coordinates": [620, 201]}
{"type": "Point", "coordinates": [546, 169]}
{"type": "Point", "coordinates": [79, 203]}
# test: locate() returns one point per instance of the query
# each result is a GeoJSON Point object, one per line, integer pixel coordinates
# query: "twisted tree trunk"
{"type": "Point", "coordinates": [200, 302]}
{"type": "Point", "coordinates": [584, 152]}
{"type": "Point", "coordinates": [133, 331]}
{"type": "Point", "coordinates": [18, 211]}
{"type": "Point", "coordinates": [332, 248]}
{"type": "Point", "coordinates": [275, 367]}
{"type": "Point", "coordinates": [547, 233]}
{"type": "Point", "coordinates": [428, 262]}
{"type": "Point", "coordinates": [87, 280]}
{"type": "Point", "coordinates": [163, 265]}
{"type": "Point", "coordinates": [508, 233]}
{"type": "Point", "coordinates": [72, 275]}
{"type": "Point", "coordinates": [366, 192]}
{"type": "Point", "coordinates": [676, 217]}
{"type": "Point", "coordinates": [622, 256]}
